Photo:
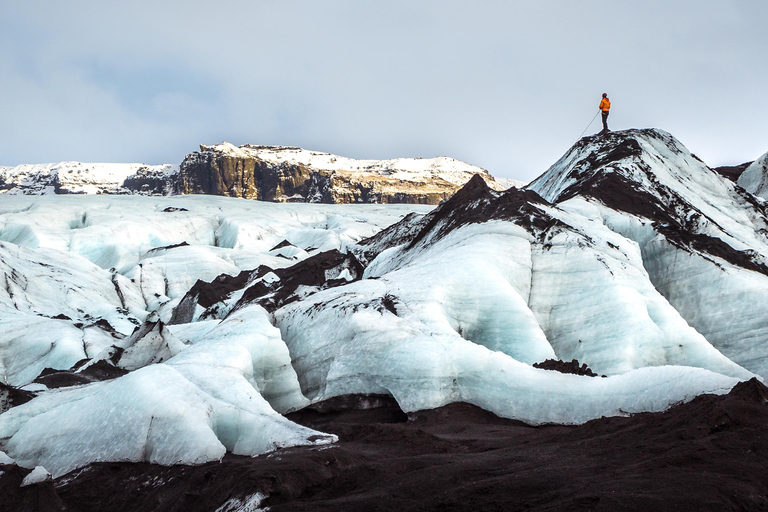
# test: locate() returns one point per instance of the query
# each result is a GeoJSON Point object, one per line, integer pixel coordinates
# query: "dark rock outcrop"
{"type": "Point", "coordinates": [11, 397]}
{"type": "Point", "coordinates": [99, 371]}
{"type": "Point", "coordinates": [270, 288]}
{"type": "Point", "coordinates": [732, 172]}
{"type": "Point", "coordinates": [572, 367]}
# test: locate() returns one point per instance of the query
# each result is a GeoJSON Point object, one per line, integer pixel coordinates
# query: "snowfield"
{"type": "Point", "coordinates": [217, 316]}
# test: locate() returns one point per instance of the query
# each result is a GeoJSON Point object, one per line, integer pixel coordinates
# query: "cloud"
{"type": "Point", "coordinates": [508, 86]}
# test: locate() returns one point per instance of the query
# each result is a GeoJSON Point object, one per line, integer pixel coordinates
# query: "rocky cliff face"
{"type": "Point", "coordinates": [286, 174]}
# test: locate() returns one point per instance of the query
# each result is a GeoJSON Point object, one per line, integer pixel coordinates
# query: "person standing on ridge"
{"type": "Point", "coordinates": [605, 107]}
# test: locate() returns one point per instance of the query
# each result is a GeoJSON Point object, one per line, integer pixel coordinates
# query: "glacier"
{"type": "Point", "coordinates": [222, 315]}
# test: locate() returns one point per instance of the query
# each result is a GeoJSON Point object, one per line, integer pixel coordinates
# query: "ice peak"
{"type": "Point", "coordinates": [754, 179]}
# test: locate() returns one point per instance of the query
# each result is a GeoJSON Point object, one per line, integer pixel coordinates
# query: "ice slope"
{"type": "Point", "coordinates": [83, 178]}
{"type": "Point", "coordinates": [754, 179]}
{"type": "Point", "coordinates": [703, 240]}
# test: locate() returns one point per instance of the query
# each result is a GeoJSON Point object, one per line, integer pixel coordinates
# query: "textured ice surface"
{"type": "Point", "coordinates": [68, 262]}
{"type": "Point", "coordinates": [248, 504]}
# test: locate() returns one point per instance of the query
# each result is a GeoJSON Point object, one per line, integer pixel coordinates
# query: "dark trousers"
{"type": "Point", "coordinates": [605, 120]}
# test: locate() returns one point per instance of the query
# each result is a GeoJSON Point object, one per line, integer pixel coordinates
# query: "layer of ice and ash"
{"type": "Point", "coordinates": [213, 397]}
{"type": "Point", "coordinates": [456, 304]}
{"type": "Point", "coordinates": [754, 179]}
{"type": "Point", "coordinates": [442, 168]}
{"type": "Point", "coordinates": [36, 476]}
{"type": "Point", "coordinates": [88, 178]}
{"type": "Point", "coordinates": [702, 239]}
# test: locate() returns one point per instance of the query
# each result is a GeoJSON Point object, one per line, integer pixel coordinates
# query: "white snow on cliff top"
{"type": "Point", "coordinates": [449, 169]}
{"type": "Point", "coordinates": [76, 177]}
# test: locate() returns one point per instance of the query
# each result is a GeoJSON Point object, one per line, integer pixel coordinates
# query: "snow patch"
{"type": "Point", "coordinates": [247, 504]}
{"type": "Point", "coordinates": [37, 476]}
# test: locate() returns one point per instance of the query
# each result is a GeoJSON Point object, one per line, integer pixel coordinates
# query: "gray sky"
{"type": "Point", "coordinates": [505, 85]}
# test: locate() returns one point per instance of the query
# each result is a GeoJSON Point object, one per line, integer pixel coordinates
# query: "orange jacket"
{"type": "Point", "coordinates": [605, 105]}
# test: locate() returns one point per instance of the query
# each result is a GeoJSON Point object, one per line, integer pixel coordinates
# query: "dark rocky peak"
{"type": "Point", "coordinates": [752, 390]}
{"type": "Point", "coordinates": [732, 172]}
{"type": "Point", "coordinates": [475, 203]}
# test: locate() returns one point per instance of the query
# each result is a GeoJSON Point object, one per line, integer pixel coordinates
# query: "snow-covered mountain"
{"type": "Point", "coordinates": [178, 329]}
{"type": "Point", "coordinates": [80, 178]}
{"type": "Point", "coordinates": [270, 173]}
{"type": "Point", "coordinates": [287, 174]}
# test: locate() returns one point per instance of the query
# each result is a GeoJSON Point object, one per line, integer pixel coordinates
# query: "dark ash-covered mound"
{"type": "Point", "coordinates": [564, 367]}
{"type": "Point", "coordinates": [474, 203]}
{"type": "Point", "coordinates": [732, 172]}
{"type": "Point", "coordinates": [707, 455]}
{"type": "Point", "coordinates": [11, 397]}
{"type": "Point", "coordinates": [99, 371]}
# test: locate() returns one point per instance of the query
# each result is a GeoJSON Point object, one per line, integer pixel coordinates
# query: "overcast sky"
{"type": "Point", "coordinates": [508, 86]}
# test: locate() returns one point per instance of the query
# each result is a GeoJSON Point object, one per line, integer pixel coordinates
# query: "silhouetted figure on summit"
{"type": "Point", "coordinates": [605, 107]}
